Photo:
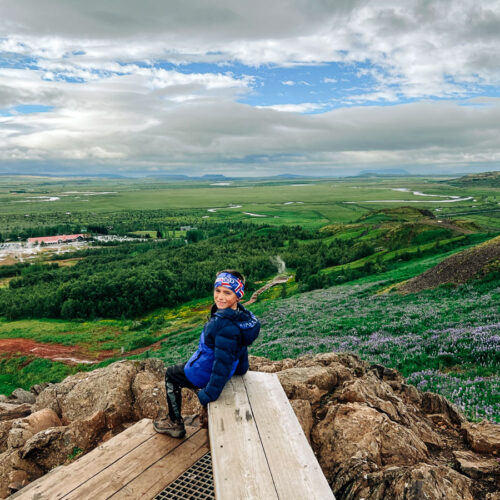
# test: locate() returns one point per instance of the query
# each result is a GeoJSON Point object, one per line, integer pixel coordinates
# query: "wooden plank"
{"type": "Point", "coordinates": [294, 467]}
{"type": "Point", "coordinates": [65, 478]}
{"type": "Point", "coordinates": [111, 479]}
{"type": "Point", "coordinates": [156, 477]}
{"type": "Point", "coordinates": [238, 460]}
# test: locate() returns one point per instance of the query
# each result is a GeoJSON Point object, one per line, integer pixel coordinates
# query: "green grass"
{"type": "Point", "coordinates": [26, 371]}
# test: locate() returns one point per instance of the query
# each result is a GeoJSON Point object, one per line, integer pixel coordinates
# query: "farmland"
{"type": "Point", "coordinates": [347, 244]}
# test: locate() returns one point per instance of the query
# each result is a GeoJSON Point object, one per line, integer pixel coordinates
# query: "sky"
{"type": "Point", "coordinates": [317, 87]}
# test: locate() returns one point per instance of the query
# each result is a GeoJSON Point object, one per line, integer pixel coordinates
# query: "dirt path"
{"type": "Point", "coordinates": [278, 280]}
{"type": "Point", "coordinates": [69, 355]}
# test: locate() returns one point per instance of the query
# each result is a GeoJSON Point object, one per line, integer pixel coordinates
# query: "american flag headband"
{"type": "Point", "coordinates": [232, 282]}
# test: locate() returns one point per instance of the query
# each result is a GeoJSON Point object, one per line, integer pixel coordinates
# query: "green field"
{"type": "Point", "coordinates": [310, 203]}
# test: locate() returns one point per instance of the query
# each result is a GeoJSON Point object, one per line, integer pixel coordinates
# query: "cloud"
{"type": "Point", "coordinates": [122, 93]}
{"type": "Point", "coordinates": [225, 136]}
{"type": "Point", "coordinates": [304, 107]}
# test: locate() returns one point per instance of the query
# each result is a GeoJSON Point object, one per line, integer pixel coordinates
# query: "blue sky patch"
{"type": "Point", "coordinates": [25, 109]}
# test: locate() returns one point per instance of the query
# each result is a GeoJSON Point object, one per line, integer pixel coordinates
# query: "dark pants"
{"type": "Point", "coordinates": [175, 380]}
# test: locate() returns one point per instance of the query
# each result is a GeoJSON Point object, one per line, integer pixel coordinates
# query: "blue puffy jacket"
{"type": "Point", "coordinates": [222, 351]}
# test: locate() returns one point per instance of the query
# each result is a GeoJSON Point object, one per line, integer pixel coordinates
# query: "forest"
{"type": "Point", "coordinates": [125, 280]}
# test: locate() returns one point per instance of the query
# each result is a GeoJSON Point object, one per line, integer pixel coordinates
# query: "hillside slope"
{"type": "Point", "coordinates": [486, 179]}
{"type": "Point", "coordinates": [457, 269]}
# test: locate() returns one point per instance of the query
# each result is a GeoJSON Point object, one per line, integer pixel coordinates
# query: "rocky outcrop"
{"type": "Point", "coordinates": [68, 419]}
{"type": "Point", "coordinates": [375, 436]}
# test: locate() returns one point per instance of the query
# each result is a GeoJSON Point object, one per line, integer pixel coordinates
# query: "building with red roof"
{"type": "Point", "coordinates": [54, 240]}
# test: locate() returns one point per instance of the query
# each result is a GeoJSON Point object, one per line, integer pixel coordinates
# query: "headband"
{"type": "Point", "coordinates": [230, 281]}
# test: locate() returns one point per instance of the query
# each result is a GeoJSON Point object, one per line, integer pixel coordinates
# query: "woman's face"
{"type": "Point", "coordinates": [225, 298]}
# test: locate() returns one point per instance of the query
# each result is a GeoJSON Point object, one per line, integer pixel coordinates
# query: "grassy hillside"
{"type": "Point", "coordinates": [459, 268]}
{"type": "Point", "coordinates": [483, 179]}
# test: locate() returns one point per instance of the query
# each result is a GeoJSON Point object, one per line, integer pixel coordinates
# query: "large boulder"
{"type": "Point", "coordinates": [25, 428]}
{"type": "Point", "coordinates": [106, 389]}
{"type": "Point", "coordinates": [420, 481]}
{"type": "Point", "coordinates": [354, 430]}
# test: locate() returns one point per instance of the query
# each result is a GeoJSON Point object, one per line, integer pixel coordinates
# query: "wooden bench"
{"type": "Point", "coordinates": [259, 450]}
{"type": "Point", "coordinates": [136, 464]}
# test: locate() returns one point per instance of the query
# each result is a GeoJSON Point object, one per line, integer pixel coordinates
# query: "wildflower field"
{"type": "Point", "coordinates": [445, 340]}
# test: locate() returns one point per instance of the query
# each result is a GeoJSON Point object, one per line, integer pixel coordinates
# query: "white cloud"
{"type": "Point", "coordinates": [304, 107]}
{"type": "Point", "coordinates": [131, 110]}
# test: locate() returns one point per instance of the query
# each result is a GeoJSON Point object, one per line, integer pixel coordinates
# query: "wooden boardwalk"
{"type": "Point", "coordinates": [136, 464]}
{"type": "Point", "coordinates": [259, 450]}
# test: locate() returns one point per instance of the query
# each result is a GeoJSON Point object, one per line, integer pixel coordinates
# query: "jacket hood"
{"type": "Point", "coordinates": [245, 320]}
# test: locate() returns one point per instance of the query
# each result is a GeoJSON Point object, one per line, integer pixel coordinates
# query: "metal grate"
{"type": "Point", "coordinates": [196, 483]}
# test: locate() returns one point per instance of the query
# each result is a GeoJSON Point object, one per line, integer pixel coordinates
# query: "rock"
{"type": "Point", "coordinates": [477, 467]}
{"type": "Point", "coordinates": [375, 393]}
{"type": "Point", "coordinates": [155, 366]}
{"type": "Point", "coordinates": [105, 389]}
{"type": "Point", "coordinates": [23, 396]}
{"type": "Point", "coordinates": [42, 443]}
{"type": "Point", "coordinates": [435, 403]}
{"type": "Point", "coordinates": [410, 395]}
{"type": "Point", "coordinates": [483, 437]}
{"type": "Point", "coordinates": [5, 427]}
{"type": "Point", "coordinates": [303, 412]}
{"type": "Point", "coordinates": [493, 496]}
{"type": "Point", "coordinates": [3, 398]}
{"type": "Point", "coordinates": [85, 434]}
{"type": "Point", "coordinates": [424, 431]}
{"type": "Point", "coordinates": [190, 403]}
{"type": "Point", "coordinates": [149, 395]}
{"type": "Point", "coordinates": [354, 430]}
{"type": "Point", "coordinates": [310, 383]}
{"type": "Point", "coordinates": [10, 463]}
{"type": "Point", "coordinates": [38, 388]}
{"type": "Point", "coordinates": [17, 480]}
{"type": "Point", "coordinates": [9, 411]}
{"type": "Point", "coordinates": [24, 429]}
{"type": "Point", "coordinates": [421, 481]}
{"type": "Point", "coordinates": [261, 364]}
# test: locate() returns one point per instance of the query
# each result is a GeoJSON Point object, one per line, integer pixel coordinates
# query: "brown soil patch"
{"type": "Point", "coordinates": [8, 261]}
{"type": "Point", "coordinates": [69, 355]}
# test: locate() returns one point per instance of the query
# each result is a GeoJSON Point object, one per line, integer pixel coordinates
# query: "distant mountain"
{"type": "Point", "coordinates": [487, 179]}
{"type": "Point", "coordinates": [170, 177]}
{"type": "Point", "coordinates": [384, 172]}
{"type": "Point", "coordinates": [290, 176]}
{"type": "Point", "coordinates": [214, 177]}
